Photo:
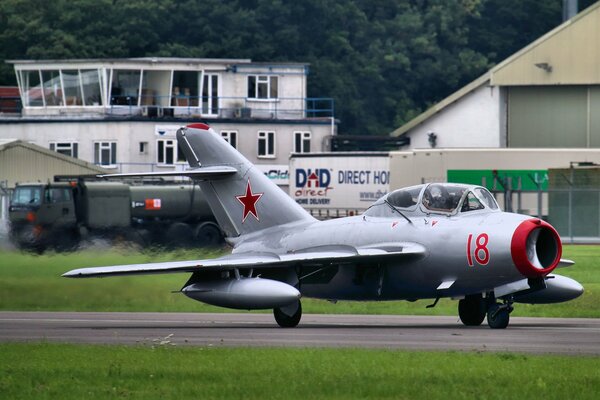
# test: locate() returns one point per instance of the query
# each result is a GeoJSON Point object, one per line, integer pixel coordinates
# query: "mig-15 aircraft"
{"type": "Point", "coordinates": [430, 241]}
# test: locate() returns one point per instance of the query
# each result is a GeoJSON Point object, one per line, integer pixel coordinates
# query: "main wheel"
{"type": "Point", "coordinates": [288, 316]}
{"type": "Point", "coordinates": [498, 316]}
{"type": "Point", "coordinates": [471, 310]}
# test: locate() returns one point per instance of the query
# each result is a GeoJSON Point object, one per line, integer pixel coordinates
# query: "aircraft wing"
{"type": "Point", "coordinates": [196, 173]}
{"type": "Point", "coordinates": [322, 255]}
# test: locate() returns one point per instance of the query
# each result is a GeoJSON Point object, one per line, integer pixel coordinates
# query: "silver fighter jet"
{"type": "Point", "coordinates": [422, 242]}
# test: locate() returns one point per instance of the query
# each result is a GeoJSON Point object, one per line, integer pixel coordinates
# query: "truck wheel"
{"type": "Point", "coordinates": [179, 234]}
{"type": "Point", "coordinates": [142, 237]}
{"type": "Point", "coordinates": [208, 234]}
{"type": "Point", "coordinates": [67, 240]}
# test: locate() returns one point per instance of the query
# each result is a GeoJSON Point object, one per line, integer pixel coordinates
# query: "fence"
{"type": "Point", "coordinates": [223, 107]}
{"type": "Point", "coordinates": [568, 198]}
{"type": "Point", "coordinates": [573, 211]}
{"type": "Point", "coordinates": [4, 203]}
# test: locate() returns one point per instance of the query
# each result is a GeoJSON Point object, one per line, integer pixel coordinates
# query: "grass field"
{"type": "Point", "coordinates": [53, 371]}
{"type": "Point", "coordinates": [32, 283]}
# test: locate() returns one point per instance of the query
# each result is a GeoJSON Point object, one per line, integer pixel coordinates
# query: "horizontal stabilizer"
{"type": "Point", "coordinates": [202, 173]}
{"type": "Point", "coordinates": [313, 256]}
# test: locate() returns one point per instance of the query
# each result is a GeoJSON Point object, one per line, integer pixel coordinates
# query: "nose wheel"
{"type": "Point", "coordinates": [473, 309]}
{"type": "Point", "coordinates": [498, 315]}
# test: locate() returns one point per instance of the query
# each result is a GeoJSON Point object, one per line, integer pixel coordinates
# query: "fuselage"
{"type": "Point", "coordinates": [469, 252]}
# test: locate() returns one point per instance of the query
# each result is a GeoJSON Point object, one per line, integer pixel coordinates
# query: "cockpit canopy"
{"type": "Point", "coordinates": [434, 198]}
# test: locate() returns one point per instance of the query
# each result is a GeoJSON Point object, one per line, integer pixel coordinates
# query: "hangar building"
{"type": "Point", "coordinates": [545, 96]}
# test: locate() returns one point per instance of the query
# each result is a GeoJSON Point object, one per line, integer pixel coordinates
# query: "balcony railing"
{"type": "Point", "coordinates": [222, 107]}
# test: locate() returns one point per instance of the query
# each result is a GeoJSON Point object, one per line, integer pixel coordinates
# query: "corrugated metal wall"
{"type": "Point", "coordinates": [594, 116]}
{"type": "Point", "coordinates": [554, 116]}
{"type": "Point", "coordinates": [22, 162]}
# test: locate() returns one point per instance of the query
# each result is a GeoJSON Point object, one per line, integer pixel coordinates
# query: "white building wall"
{"type": "Point", "coordinates": [413, 167]}
{"type": "Point", "coordinates": [473, 121]}
{"type": "Point", "coordinates": [129, 134]}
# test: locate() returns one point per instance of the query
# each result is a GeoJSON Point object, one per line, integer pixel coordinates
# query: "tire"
{"type": "Point", "coordinates": [286, 321]}
{"type": "Point", "coordinates": [208, 234]}
{"type": "Point", "coordinates": [471, 310]}
{"type": "Point", "coordinates": [497, 316]}
{"type": "Point", "coordinates": [66, 240]}
{"type": "Point", "coordinates": [179, 234]}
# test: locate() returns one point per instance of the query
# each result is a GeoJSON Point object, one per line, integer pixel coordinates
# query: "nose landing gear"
{"type": "Point", "coordinates": [473, 309]}
{"type": "Point", "coordinates": [498, 315]}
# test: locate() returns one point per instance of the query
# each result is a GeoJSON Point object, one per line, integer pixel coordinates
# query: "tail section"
{"type": "Point", "coordinates": [242, 202]}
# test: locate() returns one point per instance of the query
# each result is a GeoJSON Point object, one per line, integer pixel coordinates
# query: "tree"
{"type": "Point", "coordinates": [383, 61]}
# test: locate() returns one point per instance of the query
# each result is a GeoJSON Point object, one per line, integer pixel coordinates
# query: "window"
{"type": "Point", "coordinates": [405, 198]}
{"type": "Point", "coordinates": [59, 88]}
{"type": "Point", "coordinates": [166, 151]}
{"type": "Point", "coordinates": [26, 195]}
{"type": "Point", "coordinates": [66, 148]}
{"type": "Point", "coordinates": [143, 147]}
{"type": "Point", "coordinates": [52, 88]}
{"type": "Point", "coordinates": [262, 87]}
{"type": "Point", "coordinates": [57, 195]}
{"type": "Point", "coordinates": [32, 88]}
{"type": "Point", "coordinates": [302, 142]}
{"type": "Point", "coordinates": [210, 94]}
{"type": "Point", "coordinates": [442, 197]}
{"type": "Point", "coordinates": [230, 137]}
{"type": "Point", "coordinates": [105, 153]}
{"type": "Point", "coordinates": [125, 87]}
{"type": "Point", "coordinates": [487, 198]}
{"type": "Point", "coordinates": [266, 144]}
{"type": "Point", "coordinates": [185, 89]}
{"type": "Point", "coordinates": [90, 83]}
{"type": "Point", "coordinates": [471, 203]}
{"type": "Point", "coordinates": [72, 85]}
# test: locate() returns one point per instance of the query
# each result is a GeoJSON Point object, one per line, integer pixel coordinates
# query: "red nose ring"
{"type": "Point", "coordinates": [535, 248]}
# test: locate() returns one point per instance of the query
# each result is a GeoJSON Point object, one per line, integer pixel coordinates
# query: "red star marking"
{"type": "Point", "coordinates": [249, 201]}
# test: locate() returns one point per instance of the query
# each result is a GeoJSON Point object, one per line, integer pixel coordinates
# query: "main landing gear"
{"type": "Point", "coordinates": [288, 316]}
{"type": "Point", "coordinates": [473, 309]}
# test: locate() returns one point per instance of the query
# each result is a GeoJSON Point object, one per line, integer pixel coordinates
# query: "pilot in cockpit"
{"type": "Point", "coordinates": [437, 198]}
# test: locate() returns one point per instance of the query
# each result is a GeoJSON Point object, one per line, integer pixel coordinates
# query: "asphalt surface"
{"type": "Point", "coordinates": [530, 335]}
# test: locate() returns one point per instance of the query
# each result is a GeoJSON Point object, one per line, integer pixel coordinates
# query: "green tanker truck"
{"type": "Point", "coordinates": [67, 212]}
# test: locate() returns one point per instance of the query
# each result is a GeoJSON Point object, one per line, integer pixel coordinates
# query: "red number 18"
{"type": "Point", "coordinates": [481, 253]}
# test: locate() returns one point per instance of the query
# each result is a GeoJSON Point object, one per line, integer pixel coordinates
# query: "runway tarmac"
{"type": "Point", "coordinates": [530, 335]}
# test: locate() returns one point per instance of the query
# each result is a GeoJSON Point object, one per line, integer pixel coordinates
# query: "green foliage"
{"type": "Point", "coordinates": [382, 61]}
{"type": "Point", "coordinates": [53, 371]}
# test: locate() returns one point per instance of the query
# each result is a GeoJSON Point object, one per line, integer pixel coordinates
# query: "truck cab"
{"type": "Point", "coordinates": [38, 211]}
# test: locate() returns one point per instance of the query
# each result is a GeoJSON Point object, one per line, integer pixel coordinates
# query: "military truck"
{"type": "Point", "coordinates": [66, 212]}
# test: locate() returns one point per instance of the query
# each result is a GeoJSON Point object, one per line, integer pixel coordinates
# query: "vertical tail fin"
{"type": "Point", "coordinates": [243, 202]}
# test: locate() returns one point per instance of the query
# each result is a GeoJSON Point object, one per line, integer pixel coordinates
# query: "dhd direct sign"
{"type": "Point", "coordinates": [339, 182]}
